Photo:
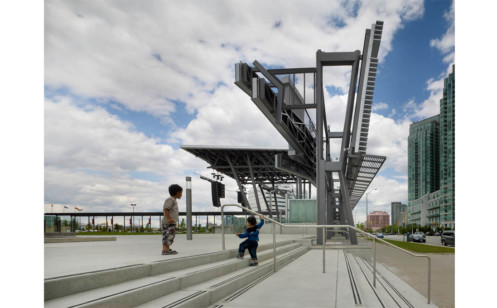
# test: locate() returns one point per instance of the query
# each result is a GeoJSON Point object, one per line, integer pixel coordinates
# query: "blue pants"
{"type": "Point", "coordinates": [251, 246]}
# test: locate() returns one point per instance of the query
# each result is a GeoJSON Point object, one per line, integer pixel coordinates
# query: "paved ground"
{"type": "Point", "coordinates": [78, 257]}
{"type": "Point", "coordinates": [414, 272]}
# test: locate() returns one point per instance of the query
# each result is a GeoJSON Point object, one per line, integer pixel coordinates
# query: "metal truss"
{"type": "Point", "coordinates": [275, 93]}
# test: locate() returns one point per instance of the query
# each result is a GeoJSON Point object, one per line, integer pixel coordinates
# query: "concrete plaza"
{"type": "Point", "coordinates": [68, 258]}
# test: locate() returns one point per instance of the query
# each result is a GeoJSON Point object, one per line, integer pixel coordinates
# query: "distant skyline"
{"type": "Point", "coordinates": [127, 83]}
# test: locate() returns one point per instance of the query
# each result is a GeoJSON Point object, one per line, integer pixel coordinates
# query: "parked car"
{"type": "Point", "coordinates": [417, 237]}
{"type": "Point", "coordinates": [448, 238]}
{"type": "Point", "coordinates": [379, 235]}
{"type": "Point", "coordinates": [436, 234]}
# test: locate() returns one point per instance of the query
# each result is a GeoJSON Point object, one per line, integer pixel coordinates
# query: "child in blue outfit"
{"type": "Point", "coordinates": [251, 243]}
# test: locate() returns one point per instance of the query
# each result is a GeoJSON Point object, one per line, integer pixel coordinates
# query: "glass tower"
{"type": "Point", "coordinates": [447, 153]}
{"type": "Point", "coordinates": [423, 167]}
{"type": "Point", "coordinates": [431, 165]}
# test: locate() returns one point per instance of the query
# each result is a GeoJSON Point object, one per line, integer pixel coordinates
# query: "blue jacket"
{"type": "Point", "coordinates": [253, 235]}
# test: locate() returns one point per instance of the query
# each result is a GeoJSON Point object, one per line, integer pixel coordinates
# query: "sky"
{"type": "Point", "coordinates": [126, 83]}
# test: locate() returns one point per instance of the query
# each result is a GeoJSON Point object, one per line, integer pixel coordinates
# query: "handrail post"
{"type": "Point", "coordinates": [274, 247]}
{"type": "Point", "coordinates": [222, 226]}
{"type": "Point", "coordinates": [374, 262]}
{"type": "Point", "coordinates": [324, 242]}
{"type": "Point", "coordinates": [429, 279]}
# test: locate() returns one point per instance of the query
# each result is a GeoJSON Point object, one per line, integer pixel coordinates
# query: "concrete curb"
{"type": "Point", "coordinates": [77, 239]}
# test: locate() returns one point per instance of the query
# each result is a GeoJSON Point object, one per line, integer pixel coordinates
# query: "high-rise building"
{"type": "Point", "coordinates": [431, 165]}
{"type": "Point", "coordinates": [447, 153]}
{"type": "Point", "coordinates": [423, 167]}
{"type": "Point", "coordinates": [423, 158]}
{"type": "Point", "coordinates": [399, 214]}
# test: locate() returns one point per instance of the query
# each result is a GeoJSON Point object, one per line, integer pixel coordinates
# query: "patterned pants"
{"type": "Point", "coordinates": [168, 233]}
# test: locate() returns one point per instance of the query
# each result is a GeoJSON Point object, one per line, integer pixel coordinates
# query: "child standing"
{"type": "Point", "coordinates": [170, 209]}
{"type": "Point", "coordinates": [251, 243]}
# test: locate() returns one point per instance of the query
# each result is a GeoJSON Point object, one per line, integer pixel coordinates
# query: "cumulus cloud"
{"type": "Point", "coordinates": [153, 56]}
{"type": "Point", "coordinates": [389, 137]}
{"type": "Point", "coordinates": [446, 43]}
{"type": "Point", "coordinates": [146, 56]}
{"type": "Point", "coordinates": [389, 190]}
{"type": "Point", "coordinates": [430, 106]}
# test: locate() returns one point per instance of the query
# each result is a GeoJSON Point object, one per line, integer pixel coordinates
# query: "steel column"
{"type": "Point", "coordinates": [253, 184]}
{"type": "Point", "coordinates": [189, 208]}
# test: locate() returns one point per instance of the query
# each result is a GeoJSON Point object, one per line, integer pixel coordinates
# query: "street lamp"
{"type": "Point", "coordinates": [133, 220]}
{"type": "Point", "coordinates": [367, 220]}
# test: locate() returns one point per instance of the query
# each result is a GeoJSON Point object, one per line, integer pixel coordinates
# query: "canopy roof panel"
{"type": "Point", "coordinates": [261, 160]}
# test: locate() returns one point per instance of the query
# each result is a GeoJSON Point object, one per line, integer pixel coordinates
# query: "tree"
{"type": "Point", "coordinates": [182, 225]}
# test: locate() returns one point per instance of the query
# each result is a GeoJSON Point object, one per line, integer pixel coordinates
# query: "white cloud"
{"type": "Point", "coordinates": [389, 190]}
{"type": "Point", "coordinates": [389, 138]}
{"type": "Point", "coordinates": [110, 49]}
{"type": "Point", "coordinates": [380, 106]}
{"type": "Point", "coordinates": [446, 43]}
{"type": "Point", "coordinates": [146, 56]}
{"type": "Point", "coordinates": [91, 155]}
{"type": "Point", "coordinates": [430, 106]}
{"type": "Point", "coordinates": [228, 116]}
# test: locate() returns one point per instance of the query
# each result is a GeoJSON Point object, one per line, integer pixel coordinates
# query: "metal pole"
{"type": "Point", "coordinates": [367, 220]}
{"type": "Point", "coordinates": [374, 262]}
{"type": "Point", "coordinates": [274, 247]}
{"type": "Point", "coordinates": [133, 217]}
{"type": "Point", "coordinates": [429, 279]}
{"type": "Point", "coordinates": [189, 208]}
{"type": "Point", "coordinates": [222, 226]}
{"type": "Point", "coordinates": [324, 242]}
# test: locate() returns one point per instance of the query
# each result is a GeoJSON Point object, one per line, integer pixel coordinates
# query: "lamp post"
{"type": "Point", "coordinates": [367, 220]}
{"type": "Point", "coordinates": [133, 220]}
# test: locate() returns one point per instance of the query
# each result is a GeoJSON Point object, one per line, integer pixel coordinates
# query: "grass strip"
{"type": "Point", "coordinates": [421, 248]}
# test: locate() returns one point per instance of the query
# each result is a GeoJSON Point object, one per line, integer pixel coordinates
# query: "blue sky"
{"type": "Point", "coordinates": [413, 61]}
{"type": "Point", "coordinates": [127, 84]}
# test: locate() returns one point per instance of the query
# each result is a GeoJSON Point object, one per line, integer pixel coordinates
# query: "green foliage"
{"type": "Point", "coordinates": [182, 225]}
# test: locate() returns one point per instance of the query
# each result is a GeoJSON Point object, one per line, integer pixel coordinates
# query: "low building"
{"type": "Point", "coordinates": [378, 220]}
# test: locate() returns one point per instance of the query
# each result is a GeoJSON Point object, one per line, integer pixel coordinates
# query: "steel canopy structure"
{"type": "Point", "coordinates": [287, 97]}
{"type": "Point", "coordinates": [251, 166]}
{"type": "Point", "coordinates": [245, 161]}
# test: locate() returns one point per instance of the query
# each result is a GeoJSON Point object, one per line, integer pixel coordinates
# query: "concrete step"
{"type": "Point", "coordinates": [346, 282]}
{"type": "Point", "coordinates": [390, 290]}
{"type": "Point", "coordinates": [163, 278]}
{"type": "Point", "coordinates": [230, 285]}
{"type": "Point", "coordinates": [61, 286]}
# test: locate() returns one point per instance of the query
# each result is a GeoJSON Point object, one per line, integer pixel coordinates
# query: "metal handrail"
{"type": "Point", "coordinates": [324, 227]}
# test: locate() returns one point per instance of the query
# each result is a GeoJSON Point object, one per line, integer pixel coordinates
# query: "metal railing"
{"type": "Point", "coordinates": [324, 227]}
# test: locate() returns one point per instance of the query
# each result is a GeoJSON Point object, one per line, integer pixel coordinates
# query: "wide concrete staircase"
{"type": "Point", "coordinates": [218, 279]}
{"type": "Point", "coordinates": [194, 281]}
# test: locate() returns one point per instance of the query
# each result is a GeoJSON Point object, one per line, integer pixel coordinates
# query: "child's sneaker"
{"type": "Point", "coordinates": [253, 264]}
{"type": "Point", "coordinates": [239, 256]}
